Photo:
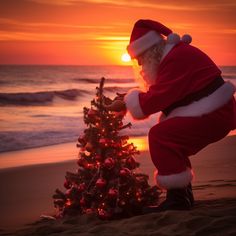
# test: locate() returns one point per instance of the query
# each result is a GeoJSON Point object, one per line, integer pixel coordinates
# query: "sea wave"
{"type": "Point", "coordinates": [39, 97]}
{"type": "Point", "coordinates": [233, 76]}
{"type": "Point", "coordinates": [19, 140]}
{"type": "Point", "coordinates": [116, 89]}
{"type": "Point", "coordinates": [86, 80]}
{"type": "Point", "coordinates": [108, 80]}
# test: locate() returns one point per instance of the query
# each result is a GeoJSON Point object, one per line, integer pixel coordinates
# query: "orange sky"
{"type": "Point", "coordinates": [86, 32]}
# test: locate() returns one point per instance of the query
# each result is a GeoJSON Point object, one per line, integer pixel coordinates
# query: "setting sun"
{"type": "Point", "coordinates": [125, 57]}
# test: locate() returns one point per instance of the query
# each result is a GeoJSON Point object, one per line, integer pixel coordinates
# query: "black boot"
{"type": "Point", "coordinates": [176, 199]}
{"type": "Point", "coordinates": [190, 194]}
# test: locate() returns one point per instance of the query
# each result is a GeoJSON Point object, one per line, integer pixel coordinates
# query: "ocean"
{"type": "Point", "coordinates": [43, 105]}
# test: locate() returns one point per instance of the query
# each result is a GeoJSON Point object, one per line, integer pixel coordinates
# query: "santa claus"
{"type": "Point", "coordinates": [198, 106]}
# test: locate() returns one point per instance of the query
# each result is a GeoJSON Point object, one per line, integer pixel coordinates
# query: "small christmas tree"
{"type": "Point", "coordinates": [107, 182]}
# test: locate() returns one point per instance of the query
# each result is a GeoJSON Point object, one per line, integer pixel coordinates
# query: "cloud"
{"type": "Point", "coordinates": [18, 30]}
{"type": "Point", "coordinates": [112, 38]}
{"type": "Point", "coordinates": [23, 27]}
{"type": "Point", "coordinates": [116, 3]}
{"type": "Point", "coordinates": [177, 5]}
{"type": "Point", "coordinates": [13, 30]}
{"type": "Point", "coordinates": [87, 35]}
{"type": "Point", "coordinates": [40, 37]}
{"type": "Point", "coordinates": [181, 26]}
{"type": "Point", "coordinates": [54, 2]}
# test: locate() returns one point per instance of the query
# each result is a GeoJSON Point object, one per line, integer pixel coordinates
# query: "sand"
{"type": "Point", "coordinates": [26, 193]}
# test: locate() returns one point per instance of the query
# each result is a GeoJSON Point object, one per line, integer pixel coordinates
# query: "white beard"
{"type": "Point", "coordinates": [150, 63]}
{"type": "Point", "coordinates": [149, 72]}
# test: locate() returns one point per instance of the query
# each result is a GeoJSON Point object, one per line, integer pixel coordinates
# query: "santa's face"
{"type": "Point", "coordinates": [140, 59]}
{"type": "Point", "coordinates": [149, 65]}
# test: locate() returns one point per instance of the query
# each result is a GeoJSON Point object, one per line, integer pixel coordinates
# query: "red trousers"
{"type": "Point", "coordinates": [172, 141]}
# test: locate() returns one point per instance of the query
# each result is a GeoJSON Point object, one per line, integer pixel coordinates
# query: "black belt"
{"type": "Point", "coordinates": [209, 89]}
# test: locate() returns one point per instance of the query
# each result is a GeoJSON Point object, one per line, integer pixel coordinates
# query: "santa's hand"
{"type": "Point", "coordinates": [116, 105]}
{"type": "Point", "coordinates": [120, 96]}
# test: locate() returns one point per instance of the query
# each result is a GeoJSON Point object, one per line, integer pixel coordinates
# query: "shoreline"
{"type": "Point", "coordinates": [42, 155]}
{"type": "Point", "coordinates": [55, 153]}
{"type": "Point", "coordinates": [61, 152]}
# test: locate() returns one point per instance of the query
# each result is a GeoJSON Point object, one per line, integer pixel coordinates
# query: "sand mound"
{"type": "Point", "coordinates": [209, 217]}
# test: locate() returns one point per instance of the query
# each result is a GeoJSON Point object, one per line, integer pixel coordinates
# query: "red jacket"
{"type": "Point", "coordinates": [183, 71]}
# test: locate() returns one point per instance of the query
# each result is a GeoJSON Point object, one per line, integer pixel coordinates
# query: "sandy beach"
{"type": "Point", "coordinates": [26, 194]}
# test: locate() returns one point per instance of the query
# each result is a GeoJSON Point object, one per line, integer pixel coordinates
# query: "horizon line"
{"type": "Point", "coordinates": [12, 64]}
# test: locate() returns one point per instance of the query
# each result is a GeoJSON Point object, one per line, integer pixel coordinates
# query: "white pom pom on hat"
{"type": "Point", "coordinates": [186, 38]}
{"type": "Point", "coordinates": [174, 38]}
{"type": "Point", "coordinates": [147, 33]}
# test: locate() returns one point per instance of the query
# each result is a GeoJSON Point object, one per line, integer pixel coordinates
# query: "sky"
{"type": "Point", "coordinates": [96, 32]}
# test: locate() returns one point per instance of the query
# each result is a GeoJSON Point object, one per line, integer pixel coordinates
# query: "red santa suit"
{"type": "Point", "coordinates": [198, 105]}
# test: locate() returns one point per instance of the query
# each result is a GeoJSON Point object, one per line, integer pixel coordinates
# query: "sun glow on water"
{"type": "Point", "coordinates": [140, 142]}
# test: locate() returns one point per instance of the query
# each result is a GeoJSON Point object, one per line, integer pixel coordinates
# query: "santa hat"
{"type": "Point", "coordinates": [147, 33]}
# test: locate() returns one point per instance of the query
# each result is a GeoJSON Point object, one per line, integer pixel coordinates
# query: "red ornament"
{"type": "Point", "coordinates": [68, 192]}
{"type": "Point", "coordinates": [89, 146]}
{"type": "Point", "coordinates": [104, 142]}
{"type": "Point", "coordinates": [112, 193]}
{"type": "Point", "coordinates": [92, 113]}
{"type": "Point", "coordinates": [116, 144]}
{"type": "Point", "coordinates": [125, 172]}
{"type": "Point", "coordinates": [89, 211]}
{"type": "Point", "coordinates": [139, 193]}
{"type": "Point", "coordinates": [81, 187]}
{"type": "Point", "coordinates": [98, 157]}
{"type": "Point", "coordinates": [120, 154]}
{"type": "Point", "coordinates": [67, 184]}
{"type": "Point", "coordinates": [101, 183]}
{"type": "Point", "coordinates": [82, 162]}
{"type": "Point", "coordinates": [121, 203]}
{"type": "Point", "coordinates": [68, 203]}
{"type": "Point", "coordinates": [82, 201]}
{"type": "Point", "coordinates": [131, 163]}
{"type": "Point", "coordinates": [109, 163]}
{"type": "Point", "coordinates": [90, 166]}
{"type": "Point", "coordinates": [103, 214]}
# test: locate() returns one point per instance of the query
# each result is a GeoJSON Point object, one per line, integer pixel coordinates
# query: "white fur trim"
{"type": "Point", "coordinates": [207, 104]}
{"type": "Point", "coordinates": [161, 117]}
{"type": "Point", "coordinates": [166, 50]}
{"type": "Point", "coordinates": [132, 103]}
{"type": "Point", "coordinates": [180, 180]}
{"type": "Point", "coordinates": [143, 43]}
